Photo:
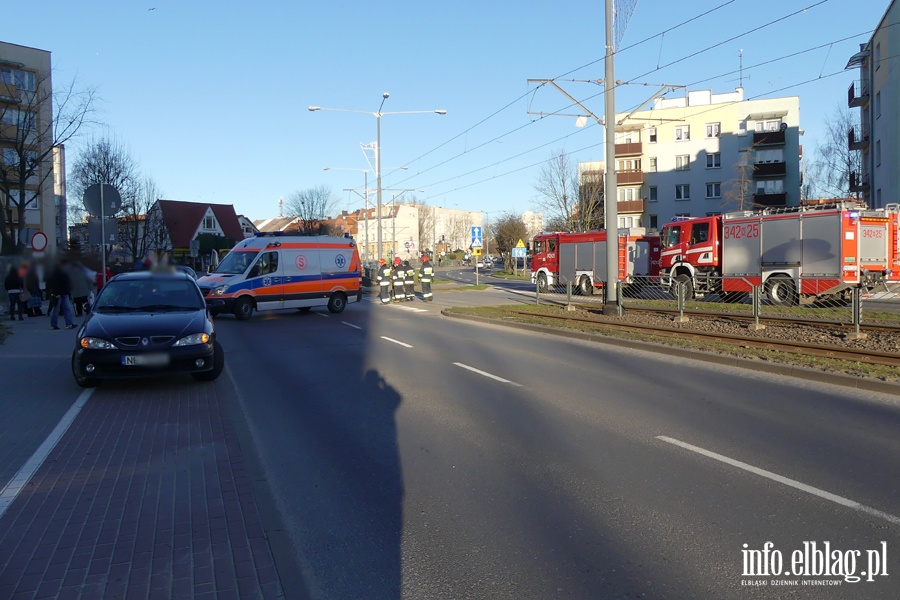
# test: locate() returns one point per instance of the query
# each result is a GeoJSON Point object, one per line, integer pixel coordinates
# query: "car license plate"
{"type": "Point", "coordinates": [146, 360]}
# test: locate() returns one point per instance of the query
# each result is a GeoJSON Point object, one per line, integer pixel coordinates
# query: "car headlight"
{"type": "Point", "coordinates": [92, 343]}
{"type": "Point", "coordinates": [193, 339]}
{"type": "Point", "coordinates": [220, 290]}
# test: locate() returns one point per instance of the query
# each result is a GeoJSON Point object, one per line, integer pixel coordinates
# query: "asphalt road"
{"type": "Point", "coordinates": [419, 456]}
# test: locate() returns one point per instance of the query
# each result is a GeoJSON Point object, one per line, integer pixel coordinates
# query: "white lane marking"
{"type": "Point", "coordinates": [351, 325]}
{"type": "Point", "coordinates": [322, 315]}
{"type": "Point", "coordinates": [23, 476]}
{"type": "Point", "coordinates": [396, 342]}
{"type": "Point", "coordinates": [480, 372]}
{"type": "Point", "coordinates": [786, 481]}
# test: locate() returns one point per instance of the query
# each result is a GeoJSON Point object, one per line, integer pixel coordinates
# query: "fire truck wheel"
{"type": "Point", "coordinates": [585, 286]}
{"type": "Point", "coordinates": [780, 290]}
{"type": "Point", "coordinates": [542, 283]}
{"type": "Point", "coordinates": [683, 282]}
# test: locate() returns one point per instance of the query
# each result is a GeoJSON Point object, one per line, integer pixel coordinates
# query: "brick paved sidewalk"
{"type": "Point", "coordinates": [145, 496]}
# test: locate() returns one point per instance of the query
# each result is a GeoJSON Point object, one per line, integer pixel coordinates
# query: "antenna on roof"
{"type": "Point", "coordinates": [741, 67]}
{"type": "Point", "coordinates": [280, 207]}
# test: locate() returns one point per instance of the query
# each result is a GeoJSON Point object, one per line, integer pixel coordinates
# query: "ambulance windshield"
{"type": "Point", "coordinates": [236, 262]}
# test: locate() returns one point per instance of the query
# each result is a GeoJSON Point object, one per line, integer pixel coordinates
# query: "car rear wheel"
{"type": "Point", "coordinates": [81, 380]}
{"type": "Point", "coordinates": [337, 302]}
{"type": "Point", "coordinates": [243, 309]}
{"type": "Point", "coordinates": [218, 365]}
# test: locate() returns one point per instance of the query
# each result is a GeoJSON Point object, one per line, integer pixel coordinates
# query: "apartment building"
{"type": "Point", "coordinates": [877, 94]}
{"type": "Point", "coordinates": [706, 153]}
{"type": "Point", "coordinates": [26, 131]}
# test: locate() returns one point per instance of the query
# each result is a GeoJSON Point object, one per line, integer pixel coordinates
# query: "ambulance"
{"type": "Point", "coordinates": [272, 272]}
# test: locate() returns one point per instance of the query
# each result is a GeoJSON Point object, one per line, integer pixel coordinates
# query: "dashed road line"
{"type": "Point", "coordinates": [784, 480]}
{"type": "Point", "coordinates": [351, 325]}
{"type": "Point", "coordinates": [26, 472]}
{"type": "Point", "coordinates": [486, 374]}
{"type": "Point", "coordinates": [322, 315]}
{"type": "Point", "coordinates": [396, 342]}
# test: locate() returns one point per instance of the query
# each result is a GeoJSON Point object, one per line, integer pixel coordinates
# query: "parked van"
{"type": "Point", "coordinates": [271, 272]}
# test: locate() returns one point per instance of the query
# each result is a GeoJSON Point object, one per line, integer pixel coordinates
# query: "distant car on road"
{"type": "Point", "coordinates": [145, 324]}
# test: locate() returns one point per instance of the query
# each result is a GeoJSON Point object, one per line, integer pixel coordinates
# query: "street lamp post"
{"type": "Point", "coordinates": [378, 114]}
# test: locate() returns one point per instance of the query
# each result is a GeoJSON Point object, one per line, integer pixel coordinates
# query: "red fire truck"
{"type": "Point", "coordinates": [581, 258]}
{"type": "Point", "coordinates": [794, 253]}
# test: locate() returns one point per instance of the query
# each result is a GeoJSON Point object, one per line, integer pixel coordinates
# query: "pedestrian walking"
{"type": "Point", "coordinates": [384, 281]}
{"type": "Point", "coordinates": [81, 289]}
{"type": "Point", "coordinates": [14, 286]}
{"type": "Point", "coordinates": [33, 287]}
{"type": "Point", "coordinates": [409, 281]}
{"type": "Point", "coordinates": [398, 276]}
{"type": "Point", "coordinates": [426, 276]}
{"type": "Point", "coordinates": [59, 284]}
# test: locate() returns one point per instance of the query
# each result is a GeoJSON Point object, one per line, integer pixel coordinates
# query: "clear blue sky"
{"type": "Point", "coordinates": [211, 96]}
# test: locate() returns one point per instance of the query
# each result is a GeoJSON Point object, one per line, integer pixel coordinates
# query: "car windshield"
{"type": "Point", "coordinates": [153, 294]}
{"type": "Point", "coordinates": [236, 262]}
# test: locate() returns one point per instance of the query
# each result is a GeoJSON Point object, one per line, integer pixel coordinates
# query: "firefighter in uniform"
{"type": "Point", "coordinates": [398, 275]}
{"type": "Point", "coordinates": [384, 281]}
{"type": "Point", "coordinates": [426, 274]}
{"type": "Point", "coordinates": [409, 282]}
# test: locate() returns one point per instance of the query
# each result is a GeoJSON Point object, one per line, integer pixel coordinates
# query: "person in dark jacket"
{"type": "Point", "coordinates": [384, 281]}
{"type": "Point", "coordinates": [59, 285]}
{"type": "Point", "coordinates": [426, 276]}
{"type": "Point", "coordinates": [409, 281]}
{"type": "Point", "coordinates": [14, 286]}
{"type": "Point", "coordinates": [398, 276]}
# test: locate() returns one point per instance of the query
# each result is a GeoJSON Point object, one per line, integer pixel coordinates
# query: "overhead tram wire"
{"type": "Point", "coordinates": [602, 92]}
{"type": "Point", "coordinates": [713, 109]}
{"type": "Point", "coordinates": [526, 94]}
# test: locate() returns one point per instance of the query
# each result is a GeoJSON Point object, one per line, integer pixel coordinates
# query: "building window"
{"type": "Point", "coordinates": [770, 156]}
{"type": "Point", "coordinates": [654, 222]}
{"type": "Point", "coordinates": [742, 127]}
{"type": "Point", "coordinates": [877, 56]}
{"type": "Point", "coordinates": [628, 164]}
{"type": "Point", "coordinates": [208, 223]}
{"type": "Point", "coordinates": [682, 133]}
{"type": "Point", "coordinates": [713, 130]}
{"type": "Point", "coordinates": [628, 193]}
{"type": "Point", "coordinates": [771, 186]}
{"type": "Point", "coordinates": [877, 105]}
{"type": "Point", "coordinates": [653, 197]}
{"type": "Point", "coordinates": [651, 135]}
{"type": "Point", "coordinates": [652, 164]}
{"type": "Point", "coordinates": [713, 190]}
{"type": "Point", "coordinates": [23, 80]}
{"type": "Point", "coordinates": [683, 162]}
{"type": "Point", "coordinates": [683, 192]}
{"type": "Point", "coordinates": [771, 125]}
{"type": "Point", "coordinates": [878, 153]}
{"type": "Point", "coordinates": [713, 160]}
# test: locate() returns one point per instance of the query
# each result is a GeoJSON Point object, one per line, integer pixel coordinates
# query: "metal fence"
{"type": "Point", "coordinates": [777, 298]}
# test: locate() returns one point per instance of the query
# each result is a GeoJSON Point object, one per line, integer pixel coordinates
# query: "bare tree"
{"type": "Point", "coordinates": [312, 207]}
{"type": "Point", "coordinates": [105, 161]}
{"type": "Point", "coordinates": [589, 213]}
{"type": "Point", "coordinates": [557, 188]}
{"type": "Point", "coordinates": [426, 222]}
{"type": "Point", "coordinates": [458, 230]}
{"type": "Point", "coordinates": [738, 192]}
{"type": "Point", "coordinates": [508, 230]}
{"type": "Point", "coordinates": [136, 233]}
{"type": "Point", "coordinates": [41, 120]}
{"type": "Point", "coordinates": [830, 172]}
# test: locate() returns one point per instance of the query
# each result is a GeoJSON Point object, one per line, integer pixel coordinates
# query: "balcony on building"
{"type": "Point", "coordinates": [629, 149]}
{"type": "Point", "coordinates": [857, 138]}
{"type": "Point", "coordinates": [768, 138]}
{"type": "Point", "coordinates": [630, 206]}
{"type": "Point", "coordinates": [630, 177]}
{"type": "Point", "coordinates": [770, 169]}
{"type": "Point", "coordinates": [770, 200]}
{"type": "Point", "coordinates": [859, 183]}
{"type": "Point", "coordinates": [858, 93]}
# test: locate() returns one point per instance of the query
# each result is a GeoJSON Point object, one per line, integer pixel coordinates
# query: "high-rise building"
{"type": "Point", "coordinates": [877, 94]}
{"type": "Point", "coordinates": [706, 153]}
{"type": "Point", "coordinates": [26, 135]}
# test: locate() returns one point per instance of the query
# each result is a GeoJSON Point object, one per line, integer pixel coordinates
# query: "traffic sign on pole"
{"type": "Point", "coordinates": [476, 237]}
